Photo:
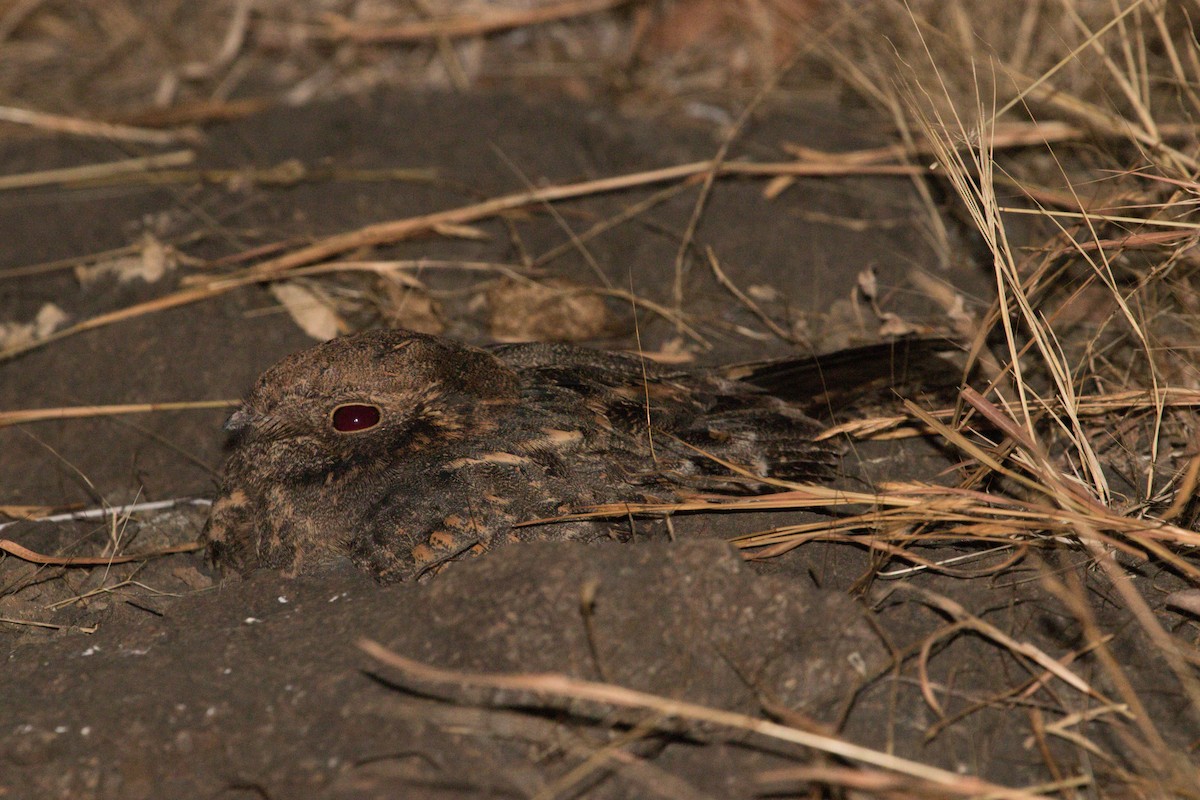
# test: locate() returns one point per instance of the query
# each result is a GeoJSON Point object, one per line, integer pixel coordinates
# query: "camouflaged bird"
{"type": "Point", "coordinates": [403, 451]}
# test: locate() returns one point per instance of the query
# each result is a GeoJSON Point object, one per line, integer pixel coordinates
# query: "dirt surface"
{"type": "Point", "coordinates": [161, 679]}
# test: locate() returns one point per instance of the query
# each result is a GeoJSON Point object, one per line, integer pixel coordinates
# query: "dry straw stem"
{"type": "Point", "coordinates": [1006, 135]}
{"type": "Point", "coordinates": [286, 173]}
{"type": "Point", "coordinates": [743, 298]}
{"type": "Point", "coordinates": [23, 416]}
{"type": "Point", "coordinates": [1093, 218]}
{"type": "Point", "coordinates": [960, 515]}
{"type": "Point", "coordinates": [20, 551]}
{"type": "Point", "coordinates": [971, 176]}
{"type": "Point", "coordinates": [560, 692]}
{"type": "Point", "coordinates": [1088, 405]}
{"type": "Point", "coordinates": [103, 512]}
{"type": "Point", "coordinates": [973, 180]}
{"type": "Point", "coordinates": [598, 760]}
{"type": "Point", "coordinates": [399, 230]}
{"type": "Point", "coordinates": [96, 172]}
{"type": "Point", "coordinates": [1149, 746]}
{"type": "Point", "coordinates": [33, 623]}
{"type": "Point", "coordinates": [57, 123]}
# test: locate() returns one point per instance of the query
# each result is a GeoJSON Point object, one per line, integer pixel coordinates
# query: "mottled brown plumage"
{"type": "Point", "coordinates": [403, 451]}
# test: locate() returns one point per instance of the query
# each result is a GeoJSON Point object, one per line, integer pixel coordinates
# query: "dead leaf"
{"type": "Point", "coordinates": [26, 512]}
{"type": "Point", "coordinates": [48, 319]}
{"type": "Point", "coordinates": [311, 309]}
{"type": "Point", "coordinates": [552, 310]}
{"type": "Point", "coordinates": [412, 308]}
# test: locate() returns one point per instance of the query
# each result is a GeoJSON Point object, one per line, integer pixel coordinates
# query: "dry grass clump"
{"type": "Point", "coordinates": [1097, 306]}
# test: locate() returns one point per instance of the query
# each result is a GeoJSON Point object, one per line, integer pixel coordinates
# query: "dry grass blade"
{"type": "Point", "coordinates": [75, 126]}
{"type": "Point", "coordinates": [556, 691]}
{"type": "Point", "coordinates": [92, 172]}
{"type": "Point", "coordinates": [108, 589]}
{"type": "Point", "coordinates": [33, 623]}
{"type": "Point", "coordinates": [954, 515]}
{"type": "Point", "coordinates": [896, 427]}
{"type": "Point", "coordinates": [22, 416]}
{"type": "Point", "coordinates": [597, 761]}
{"type": "Point", "coordinates": [1093, 217]}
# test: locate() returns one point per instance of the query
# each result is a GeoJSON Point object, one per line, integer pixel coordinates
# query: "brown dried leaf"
{"type": "Point", "coordinates": [49, 318]}
{"type": "Point", "coordinates": [553, 310]}
{"type": "Point", "coordinates": [26, 512]}
{"type": "Point", "coordinates": [412, 308]}
{"type": "Point", "coordinates": [310, 309]}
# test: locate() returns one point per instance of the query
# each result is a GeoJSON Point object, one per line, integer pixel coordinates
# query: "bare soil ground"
{"type": "Point", "coordinates": [160, 678]}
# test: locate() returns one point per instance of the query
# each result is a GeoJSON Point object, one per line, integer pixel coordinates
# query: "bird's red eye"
{"type": "Point", "coordinates": [354, 417]}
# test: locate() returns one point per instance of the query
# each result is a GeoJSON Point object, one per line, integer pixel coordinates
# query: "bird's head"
{"type": "Point", "coordinates": [364, 400]}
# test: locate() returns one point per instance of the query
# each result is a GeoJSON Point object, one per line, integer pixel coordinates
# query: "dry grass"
{"type": "Point", "coordinates": [1129, 72]}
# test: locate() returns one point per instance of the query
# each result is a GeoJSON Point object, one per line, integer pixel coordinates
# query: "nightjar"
{"type": "Point", "coordinates": [403, 451]}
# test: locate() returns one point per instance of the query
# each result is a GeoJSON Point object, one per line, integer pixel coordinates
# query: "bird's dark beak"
{"type": "Point", "coordinates": [239, 422]}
